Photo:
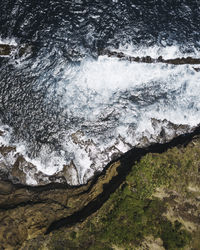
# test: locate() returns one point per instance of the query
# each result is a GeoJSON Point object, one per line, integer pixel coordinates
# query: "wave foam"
{"type": "Point", "coordinates": [114, 102]}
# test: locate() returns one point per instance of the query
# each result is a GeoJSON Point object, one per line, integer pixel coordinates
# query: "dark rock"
{"type": "Point", "coordinates": [17, 172]}
{"type": "Point", "coordinates": [6, 49]}
{"type": "Point", "coordinates": [16, 50]}
{"type": "Point", "coordinates": [148, 59]}
{"type": "Point", "coordinates": [4, 150]}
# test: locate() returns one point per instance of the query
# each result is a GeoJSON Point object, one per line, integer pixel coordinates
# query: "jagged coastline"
{"type": "Point", "coordinates": [99, 125]}
{"type": "Point", "coordinates": [29, 212]}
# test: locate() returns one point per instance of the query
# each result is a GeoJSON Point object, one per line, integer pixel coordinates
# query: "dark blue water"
{"type": "Point", "coordinates": [97, 24]}
{"type": "Point", "coordinates": [62, 34]}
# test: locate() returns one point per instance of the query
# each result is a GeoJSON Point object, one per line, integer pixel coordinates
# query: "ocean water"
{"type": "Point", "coordinates": [63, 103]}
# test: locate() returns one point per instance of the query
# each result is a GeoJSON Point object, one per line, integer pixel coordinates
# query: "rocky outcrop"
{"type": "Point", "coordinates": [7, 50]}
{"type": "Point", "coordinates": [163, 131]}
{"type": "Point", "coordinates": [148, 59]}
{"type": "Point", "coordinates": [28, 213]}
{"type": "Point", "coordinates": [20, 170]}
{"type": "Point", "coordinates": [155, 207]}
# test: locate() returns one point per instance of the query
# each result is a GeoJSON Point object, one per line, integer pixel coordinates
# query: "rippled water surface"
{"type": "Point", "coordinates": [63, 103]}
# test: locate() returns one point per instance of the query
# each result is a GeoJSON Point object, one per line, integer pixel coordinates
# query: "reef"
{"type": "Point", "coordinates": [148, 199]}
{"type": "Point", "coordinates": [149, 59]}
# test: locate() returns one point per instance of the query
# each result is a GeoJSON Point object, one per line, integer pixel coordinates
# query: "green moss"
{"type": "Point", "coordinates": [59, 241]}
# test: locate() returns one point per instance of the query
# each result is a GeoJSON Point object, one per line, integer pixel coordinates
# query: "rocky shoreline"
{"type": "Point", "coordinates": [29, 212]}
{"type": "Point", "coordinates": [83, 155]}
{"type": "Point", "coordinates": [158, 178]}
{"type": "Point", "coordinates": [15, 167]}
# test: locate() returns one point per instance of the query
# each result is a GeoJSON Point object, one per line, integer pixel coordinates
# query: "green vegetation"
{"type": "Point", "coordinates": [133, 212]}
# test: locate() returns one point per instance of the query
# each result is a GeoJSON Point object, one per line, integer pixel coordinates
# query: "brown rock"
{"type": "Point", "coordinates": [6, 49]}
{"type": "Point", "coordinates": [5, 187]}
{"type": "Point", "coordinates": [4, 150]}
{"type": "Point", "coordinates": [17, 170]}
{"type": "Point", "coordinates": [27, 212]}
{"type": "Point", "coordinates": [18, 51]}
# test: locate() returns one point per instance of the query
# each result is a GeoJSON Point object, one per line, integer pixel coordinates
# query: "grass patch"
{"type": "Point", "coordinates": [132, 213]}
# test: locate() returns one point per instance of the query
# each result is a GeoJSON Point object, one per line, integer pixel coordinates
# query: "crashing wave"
{"type": "Point", "coordinates": [105, 107]}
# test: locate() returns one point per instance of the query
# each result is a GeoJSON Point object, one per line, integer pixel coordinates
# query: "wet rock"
{"type": "Point", "coordinates": [20, 170]}
{"type": "Point", "coordinates": [17, 51]}
{"type": "Point", "coordinates": [17, 172]}
{"type": "Point", "coordinates": [5, 150]}
{"type": "Point", "coordinates": [14, 167]}
{"type": "Point", "coordinates": [148, 59]}
{"type": "Point", "coordinates": [164, 131]}
{"type": "Point", "coordinates": [24, 50]}
{"type": "Point", "coordinates": [168, 130]}
{"type": "Point", "coordinates": [196, 69]}
{"type": "Point", "coordinates": [5, 187]}
{"type": "Point", "coordinates": [6, 49]}
{"type": "Point", "coordinates": [70, 173]}
{"type": "Point", "coordinates": [24, 172]}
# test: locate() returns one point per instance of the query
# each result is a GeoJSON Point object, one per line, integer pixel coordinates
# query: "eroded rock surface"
{"type": "Point", "coordinates": [164, 131]}
{"type": "Point", "coordinates": [5, 49]}
{"type": "Point", "coordinates": [27, 212]}
{"type": "Point", "coordinates": [164, 185]}
{"type": "Point", "coordinates": [15, 167]}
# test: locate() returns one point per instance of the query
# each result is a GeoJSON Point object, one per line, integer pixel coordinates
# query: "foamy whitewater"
{"type": "Point", "coordinates": [106, 107]}
{"type": "Point", "coordinates": [69, 111]}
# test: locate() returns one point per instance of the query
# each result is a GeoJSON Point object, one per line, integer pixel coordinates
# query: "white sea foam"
{"type": "Point", "coordinates": [9, 41]}
{"type": "Point", "coordinates": [116, 100]}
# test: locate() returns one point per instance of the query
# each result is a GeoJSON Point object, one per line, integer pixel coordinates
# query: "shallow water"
{"type": "Point", "coordinates": [63, 102]}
